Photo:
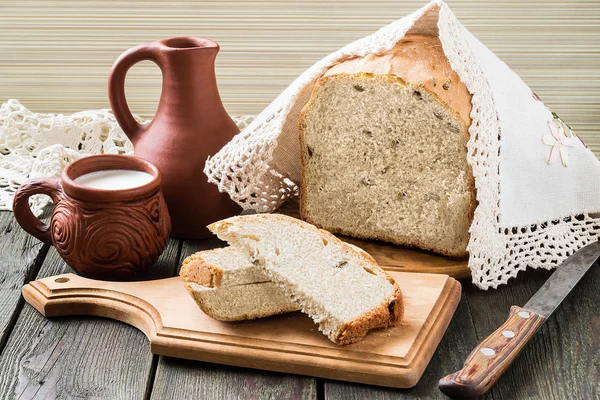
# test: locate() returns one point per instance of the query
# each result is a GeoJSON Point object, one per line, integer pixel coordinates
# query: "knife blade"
{"type": "Point", "coordinates": [492, 357]}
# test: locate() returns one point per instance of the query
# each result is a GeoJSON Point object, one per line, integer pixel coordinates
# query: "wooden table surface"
{"type": "Point", "coordinates": [86, 357]}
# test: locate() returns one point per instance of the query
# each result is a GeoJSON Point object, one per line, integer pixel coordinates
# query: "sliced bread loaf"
{"type": "Point", "coordinates": [344, 292]}
{"type": "Point", "coordinates": [228, 287]}
{"type": "Point", "coordinates": [228, 266]}
{"type": "Point", "coordinates": [383, 144]}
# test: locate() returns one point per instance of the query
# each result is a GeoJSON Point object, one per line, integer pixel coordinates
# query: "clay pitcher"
{"type": "Point", "coordinates": [190, 125]}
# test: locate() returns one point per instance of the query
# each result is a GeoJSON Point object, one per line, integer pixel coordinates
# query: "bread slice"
{"type": "Point", "coordinates": [241, 302]}
{"type": "Point", "coordinates": [228, 287]}
{"type": "Point", "coordinates": [383, 144]}
{"type": "Point", "coordinates": [342, 291]}
{"type": "Point", "coordinates": [226, 266]}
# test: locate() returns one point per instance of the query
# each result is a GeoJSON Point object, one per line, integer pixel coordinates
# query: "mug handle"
{"type": "Point", "coordinates": [32, 225]}
{"type": "Point", "coordinates": [116, 87]}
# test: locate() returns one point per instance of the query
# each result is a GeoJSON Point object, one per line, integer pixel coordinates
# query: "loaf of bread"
{"type": "Point", "coordinates": [228, 287]}
{"type": "Point", "coordinates": [383, 143]}
{"type": "Point", "coordinates": [344, 292]}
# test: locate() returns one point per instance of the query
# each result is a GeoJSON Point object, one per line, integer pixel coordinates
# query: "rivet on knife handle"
{"type": "Point", "coordinates": [492, 357]}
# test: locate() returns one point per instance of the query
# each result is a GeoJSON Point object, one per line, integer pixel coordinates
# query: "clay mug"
{"type": "Point", "coordinates": [103, 234]}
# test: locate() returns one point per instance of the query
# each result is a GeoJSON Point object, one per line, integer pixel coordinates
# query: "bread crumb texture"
{"type": "Point", "coordinates": [383, 159]}
{"type": "Point", "coordinates": [241, 302]}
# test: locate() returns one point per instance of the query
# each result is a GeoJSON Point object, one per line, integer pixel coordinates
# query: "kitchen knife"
{"type": "Point", "coordinates": [492, 357]}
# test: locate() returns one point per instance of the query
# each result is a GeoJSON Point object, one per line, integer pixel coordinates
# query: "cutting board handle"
{"type": "Point", "coordinates": [70, 294]}
{"type": "Point", "coordinates": [492, 357]}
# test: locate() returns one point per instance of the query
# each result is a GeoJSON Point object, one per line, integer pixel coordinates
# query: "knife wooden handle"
{"type": "Point", "coordinates": [492, 357]}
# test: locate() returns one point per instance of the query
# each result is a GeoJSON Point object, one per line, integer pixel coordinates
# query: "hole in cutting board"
{"type": "Point", "coordinates": [61, 280]}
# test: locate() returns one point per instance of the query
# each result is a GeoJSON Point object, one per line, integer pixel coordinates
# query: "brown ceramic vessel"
{"type": "Point", "coordinates": [102, 234]}
{"type": "Point", "coordinates": [190, 125]}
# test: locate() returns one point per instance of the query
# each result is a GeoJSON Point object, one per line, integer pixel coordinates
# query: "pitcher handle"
{"type": "Point", "coordinates": [32, 225]}
{"type": "Point", "coordinates": [116, 87]}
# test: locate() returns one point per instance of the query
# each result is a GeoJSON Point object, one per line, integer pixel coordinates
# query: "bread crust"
{"type": "Point", "coordinates": [196, 269]}
{"type": "Point", "coordinates": [419, 60]}
{"type": "Point", "coordinates": [388, 313]}
{"type": "Point", "coordinates": [457, 99]}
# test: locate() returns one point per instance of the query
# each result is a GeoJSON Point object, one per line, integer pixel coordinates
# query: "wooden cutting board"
{"type": "Point", "coordinates": [399, 258]}
{"type": "Point", "coordinates": [291, 343]}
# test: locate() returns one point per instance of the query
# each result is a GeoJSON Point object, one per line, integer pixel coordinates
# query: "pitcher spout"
{"type": "Point", "coordinates": [189, 42]}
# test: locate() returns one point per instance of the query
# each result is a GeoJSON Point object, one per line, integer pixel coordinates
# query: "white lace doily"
{"type": "Point", "coordinates": [41, 145]}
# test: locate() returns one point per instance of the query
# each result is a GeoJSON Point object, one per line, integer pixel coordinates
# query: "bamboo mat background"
{"type": "Point", "coordinates": [55, 56]}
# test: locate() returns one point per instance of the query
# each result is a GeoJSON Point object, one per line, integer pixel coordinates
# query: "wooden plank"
{"type": "Point", "coordinates": [78, 357]}
{"type": "Point", "coordinates": [454, 348]}
{"type": "Point", "coordinates": [562, 361]}
{"type": "Point", "coordinates": [183, 379]}
{"type": "Point", "coordinates": [20, 255]}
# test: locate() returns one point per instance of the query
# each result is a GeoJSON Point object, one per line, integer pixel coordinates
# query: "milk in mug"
{"type": "Point", "coordinates": [114, 179]}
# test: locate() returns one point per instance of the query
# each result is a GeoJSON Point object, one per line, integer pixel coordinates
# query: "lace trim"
{"type": "Point", "coordinates": [41, 145]}
{"type": "Point", "coordinates": [496, 253]}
